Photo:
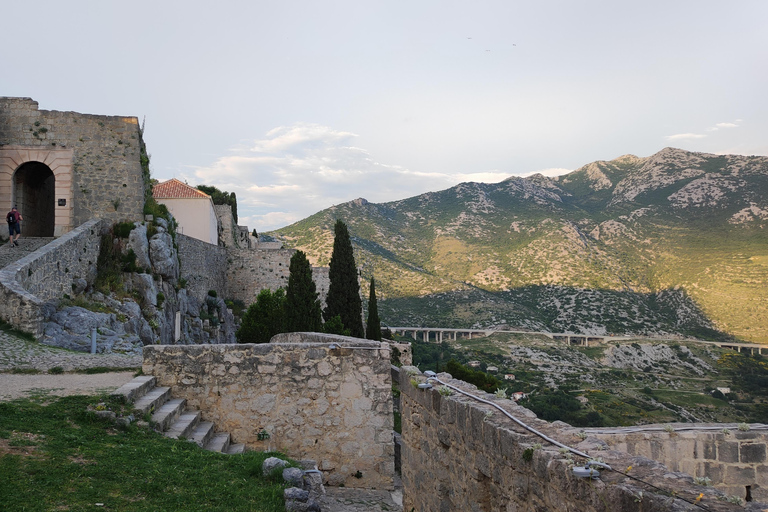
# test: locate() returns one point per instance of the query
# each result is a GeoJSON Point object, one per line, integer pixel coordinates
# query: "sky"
{"type": "Point", "coordinates": [297, 106]}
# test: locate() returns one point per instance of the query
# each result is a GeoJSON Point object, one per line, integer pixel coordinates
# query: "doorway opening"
{"type": "Point", "coordinates": [34, 196]}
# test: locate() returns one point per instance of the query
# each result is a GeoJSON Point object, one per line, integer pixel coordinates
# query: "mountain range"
{"type": "Point", "coordinates": [671, 244]}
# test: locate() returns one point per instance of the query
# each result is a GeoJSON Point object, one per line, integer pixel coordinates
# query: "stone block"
{"type": "Point", "coordinates": [736, 475]}
{"type": "Point", "coordinates": [707, 448]}
{"type": "Point", "coordinates": [728, 451]}
{"type": "Point", "coordinates": [752, 453]}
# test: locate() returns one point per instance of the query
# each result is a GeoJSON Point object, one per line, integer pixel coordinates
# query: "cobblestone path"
{"type": "Point", "coordinates": [10, 253]}
{"type": "Point", "coordinates": [20, 354]}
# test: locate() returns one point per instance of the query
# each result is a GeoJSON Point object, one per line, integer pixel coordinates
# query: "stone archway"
{"type": "Point", "coordinates": [33, 194]}
{"type": "Point", "coordinates": [27, 173]}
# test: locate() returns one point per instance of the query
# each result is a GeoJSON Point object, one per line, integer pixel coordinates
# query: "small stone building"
{"type": "Point", "coordinates": [63, 168]}
{"type": "Point", "coordinates": [192, 208]}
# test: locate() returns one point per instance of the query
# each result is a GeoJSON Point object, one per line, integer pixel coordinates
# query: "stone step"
{"type": "Point", "coordinates": [168, 413]}
{"type": "Point", "coordinates": [135, 389]}
{"type": "Point", "coordinates": [202, 433]}
{"type": "Point", "coordinates": [236, 449]}
{"type": "Point", "coordinates": [218, 443]}
{"type": "Point", "coordinates": [152, 400]}
{"type": "Point", "coordinates": [182, 428]}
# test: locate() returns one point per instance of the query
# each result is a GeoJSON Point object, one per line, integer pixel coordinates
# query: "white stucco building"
{"type": "Point", "coordinates": [192, 209]}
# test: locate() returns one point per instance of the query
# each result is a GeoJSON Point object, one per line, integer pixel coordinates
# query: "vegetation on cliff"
{"type": "Point", "coordinates": [674, 243]}
{"type": "Point", "coordinates": [623, 382]}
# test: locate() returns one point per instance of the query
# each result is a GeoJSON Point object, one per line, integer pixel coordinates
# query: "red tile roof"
{"type": "Point", "coordinates": [175, 189]}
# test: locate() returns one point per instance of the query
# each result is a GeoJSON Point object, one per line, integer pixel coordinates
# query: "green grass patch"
{"type": "Point", "coordinates": [57, 456]}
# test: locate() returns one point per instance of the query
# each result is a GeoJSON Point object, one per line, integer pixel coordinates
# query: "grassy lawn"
{"type": "Point", "coordinates": [59, 456]}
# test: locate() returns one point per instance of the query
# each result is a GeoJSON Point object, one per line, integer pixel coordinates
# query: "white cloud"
{"type": "Point", "coordinates": [682, 136]}
{"type": "Point", "coordinates": [298, 170]}
{"type": "Point", "coordinates": [727, 125]}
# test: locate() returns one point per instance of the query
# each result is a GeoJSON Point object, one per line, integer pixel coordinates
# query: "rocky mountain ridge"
{"type": "Point", "coordinates": [670, 244]}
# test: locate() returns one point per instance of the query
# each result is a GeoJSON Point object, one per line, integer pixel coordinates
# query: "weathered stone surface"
{"type": "Point", "coordinates": [162, 255]}
{"type": "Point", "coordinates": [271, 463]}
{"type": "Point", "coordinates": [491, 464]}
{"type": "Point", "coordinates": [137, 241]}
{"type": "Point", "coordinates": [343, 419]}
{"type": "Point", "coordinates": [294, 477]}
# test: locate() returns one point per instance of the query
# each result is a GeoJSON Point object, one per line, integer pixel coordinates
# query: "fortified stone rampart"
{"type": "Point", "coordinates": [65, 168]}
{"type": "Point", "coordinates": [48, 274]}
{"type": "Point", "coordinates": [459, 454]}
{"type": "Point", "coordinates": [204, 266]}
{"type": "Point", "coordinates": [227, 223]}
{"type": "Point", "coordinates": [734, 460]}
{"type": "Point", "coordinates": [298, 394]}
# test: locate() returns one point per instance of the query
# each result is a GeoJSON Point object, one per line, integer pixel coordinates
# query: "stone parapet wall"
{"type": "Point", "coordinates": [296, 395]}
{"type": "Point", "coordinates": [48, 274]}
{"type": "Point", "coordinates": [105, 174]}
{"type": "Point", "coordinates": [732, 460]}
{"type": "Point", "coordinates": [459, 455]}
{"type": "Point", "coordinates": [204, 266]}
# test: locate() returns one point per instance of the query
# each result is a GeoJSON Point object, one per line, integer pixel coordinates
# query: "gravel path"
{"type": "Point", "coordinates": [21, 356]}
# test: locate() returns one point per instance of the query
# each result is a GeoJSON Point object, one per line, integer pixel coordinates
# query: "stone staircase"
{"type": "Point", "coordinates": [169, 415]}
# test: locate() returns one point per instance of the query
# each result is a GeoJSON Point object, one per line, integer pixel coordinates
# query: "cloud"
{"type": "Point", "coordinates": [296, 171]}
{"type": "Point", "coordinates": [682, 136]}
{"type": "Point", "coordinates": [724, 125]}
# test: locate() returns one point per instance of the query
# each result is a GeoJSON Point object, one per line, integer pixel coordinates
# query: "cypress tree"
{"type": "Point", "coordinates": [264, 318]}
{"type": "Point", "coordinates": [302, 307]}
{"type": "Point", "coordinates": [373, 325]}
{"type": "Point", "coordinates": [344, 290]}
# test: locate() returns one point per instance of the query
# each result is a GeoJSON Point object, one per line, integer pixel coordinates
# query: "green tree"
{"type": "Point", "coordinates": [264, 318]}
{"type": "Point", "coordinates": [373, 325]}
{"type": "Point", "coordinates": [344, 291]}
{"type": "Point", "coordinates": [334, 326]}
{"type": "Point", "coordinates": [221, 197]}
{"type": "Point", "coordinates": [302, 307]}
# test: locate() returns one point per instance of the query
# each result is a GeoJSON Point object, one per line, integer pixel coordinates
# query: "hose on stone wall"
{"type": "Point", "coordinates": [432, 377]}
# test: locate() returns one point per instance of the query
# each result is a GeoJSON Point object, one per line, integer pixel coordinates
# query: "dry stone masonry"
{"type": "Point", "coordinates": [459, 454]}
{"type": "Point", "coordinates": [65, 168]}
{"type": "Point", "coordinates": [732, 459]}
{"type": "Point", "coordinates": [46, 274]}
{"type": "Point", "coordinates": [312, 396]}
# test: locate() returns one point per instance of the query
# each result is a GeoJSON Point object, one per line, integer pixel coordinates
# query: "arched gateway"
{"type": "Point", "coordinates": [39, 183]}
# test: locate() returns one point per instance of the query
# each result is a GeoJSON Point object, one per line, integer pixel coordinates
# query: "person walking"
{"type": "Point", "coordinates": [14, 219]}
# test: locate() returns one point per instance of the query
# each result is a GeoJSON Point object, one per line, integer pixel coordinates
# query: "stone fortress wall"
{"type": "Point", "coordinates": [204, 266]}
{"type": "Point", "coordinates": [298, 394]}
{"type": "Point", "coordinates": [48, 274]}
{"type": "Point", "coordinates": [96, 162]}
{"type": "Point", "coordinates": [732, 459]}
{"type": "Point", "coordinates": [460, 454]}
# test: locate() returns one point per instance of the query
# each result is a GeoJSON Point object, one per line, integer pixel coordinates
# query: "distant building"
{"type": "Point", "coordinates": [509, 376]}
{"type": "Point", "coordinates": [492, 369]}
{"type": "Point", "coordinates": [474, 364]}
{"type": "Point", "coordinates": [582, 399]}
{"type": "Point", "coordinates": [192, 209]}
{"type": "Point", "coordinates": [518, 395]}
{"type": "Point", "coordinates": [724, 391]}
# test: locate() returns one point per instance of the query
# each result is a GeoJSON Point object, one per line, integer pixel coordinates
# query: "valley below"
{"type": "Point", "coordinates": [625, 381]}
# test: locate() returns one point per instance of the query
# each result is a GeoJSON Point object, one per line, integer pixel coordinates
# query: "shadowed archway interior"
{"type": "Point", "coordinates": [33, 194]}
